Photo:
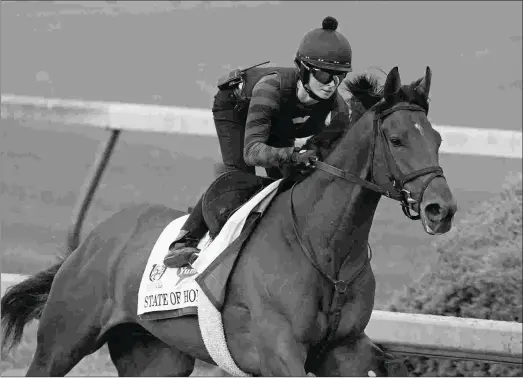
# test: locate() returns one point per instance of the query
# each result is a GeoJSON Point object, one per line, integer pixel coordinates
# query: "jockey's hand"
{"type": "Point", "coordinates": [303, 157]}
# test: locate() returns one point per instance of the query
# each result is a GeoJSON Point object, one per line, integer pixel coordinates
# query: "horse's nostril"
{"type": "Point", "coordinates": [433, 211]}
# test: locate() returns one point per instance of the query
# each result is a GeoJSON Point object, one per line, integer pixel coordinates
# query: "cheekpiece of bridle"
{"type": "Point", "coordinates": [395, 188]}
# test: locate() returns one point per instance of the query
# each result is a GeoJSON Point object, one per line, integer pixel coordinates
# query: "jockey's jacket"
{"type": "Point", "coordinates": [275, 117]}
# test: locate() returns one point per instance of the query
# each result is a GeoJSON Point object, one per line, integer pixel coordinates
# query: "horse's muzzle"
{"type": "Point", "coordinates": [438, 207]}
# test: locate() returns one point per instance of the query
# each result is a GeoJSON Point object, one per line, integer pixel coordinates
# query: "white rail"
{"type": "Point", "coordinates": [136, 117]}
{"type": "Point", "coordinates": [430, 335]}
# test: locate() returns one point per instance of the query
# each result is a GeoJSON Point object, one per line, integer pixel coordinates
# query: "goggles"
{"type": "Point", "coordinates": [325, 77]}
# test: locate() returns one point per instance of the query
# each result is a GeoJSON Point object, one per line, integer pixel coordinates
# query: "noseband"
{"type": "Point", "coordinates": [395, 188]}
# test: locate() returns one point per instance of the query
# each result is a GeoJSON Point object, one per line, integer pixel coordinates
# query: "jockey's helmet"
{"type": "Point", "coordinates": [324, 49]}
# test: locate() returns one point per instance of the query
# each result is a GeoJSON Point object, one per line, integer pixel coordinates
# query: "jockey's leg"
{"type": "Point", "coordinates": [230, 127]}
{"type": "Point", "coordinates": [183, 250]}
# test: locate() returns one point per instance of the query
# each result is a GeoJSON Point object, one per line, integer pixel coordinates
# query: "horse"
{"type": "Point", "coordinates": [302, 290]}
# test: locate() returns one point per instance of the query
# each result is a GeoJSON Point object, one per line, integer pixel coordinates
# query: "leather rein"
{"type": "Point", "coordinates": [393, 189]}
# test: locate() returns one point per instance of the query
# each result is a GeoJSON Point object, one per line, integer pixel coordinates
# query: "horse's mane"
{"type": "Point", "coordinates": [366, 89]}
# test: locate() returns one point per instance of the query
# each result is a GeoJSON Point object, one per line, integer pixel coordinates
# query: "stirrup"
{"type": "Point", "coordinates": [181, 257]}
{"type": "Point", "coordinates": [181, 253]}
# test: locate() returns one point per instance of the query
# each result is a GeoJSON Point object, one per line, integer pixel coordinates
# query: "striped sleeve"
{"type": "Point", "coordinates": [264, 105]}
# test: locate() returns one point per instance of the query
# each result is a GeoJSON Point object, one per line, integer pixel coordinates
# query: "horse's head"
{"type": "Point", "coordinates": [406, 161]}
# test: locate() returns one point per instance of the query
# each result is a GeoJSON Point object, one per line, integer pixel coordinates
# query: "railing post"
{"type": "Point", "coordinates": [89, 188]}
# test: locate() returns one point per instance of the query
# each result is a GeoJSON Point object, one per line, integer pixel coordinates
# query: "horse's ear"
{"type": "Point", "coordinates": [424, 85]}
{"type": "Point", "coordinates": [393, 82]}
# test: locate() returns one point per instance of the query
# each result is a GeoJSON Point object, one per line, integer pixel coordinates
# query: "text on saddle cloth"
{"type": "Point", "coordinates": [166, 293]}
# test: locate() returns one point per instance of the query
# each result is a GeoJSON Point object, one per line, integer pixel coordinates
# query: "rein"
{"type": "Point", "coordinates": [394, 189]}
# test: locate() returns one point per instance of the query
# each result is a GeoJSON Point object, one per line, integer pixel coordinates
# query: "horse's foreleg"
{"type": "Point", "coordinates": [280, 353]}
{"type": "Point", "coordinates": [360, 357]}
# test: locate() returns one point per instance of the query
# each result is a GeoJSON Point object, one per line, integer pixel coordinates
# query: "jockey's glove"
{"type": "Point", "coordinates": [303, 157]}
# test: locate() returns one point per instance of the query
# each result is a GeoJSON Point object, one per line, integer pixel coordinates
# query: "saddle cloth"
{"type": "Point", "coordinates": [168, 293]}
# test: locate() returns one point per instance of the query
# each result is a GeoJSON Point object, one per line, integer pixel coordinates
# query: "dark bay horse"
{"type": "Point", "coordinates": [302, 290]}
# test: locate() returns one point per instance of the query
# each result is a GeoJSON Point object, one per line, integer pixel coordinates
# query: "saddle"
{"type": "Point", "coordinates": [226, 194]}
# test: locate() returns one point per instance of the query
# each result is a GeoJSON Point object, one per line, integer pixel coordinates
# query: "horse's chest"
{"type": "Point", "coordinates": [299, 305]}
{"type": "Point", "coordinates": [356, 306]}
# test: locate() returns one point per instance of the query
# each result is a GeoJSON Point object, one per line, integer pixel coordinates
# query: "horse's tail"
{"type": "Point", "coordinates": [24, 302]}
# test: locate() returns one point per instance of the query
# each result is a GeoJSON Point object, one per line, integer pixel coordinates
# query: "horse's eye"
{"type": "Point", "coordinates": [396, 142]}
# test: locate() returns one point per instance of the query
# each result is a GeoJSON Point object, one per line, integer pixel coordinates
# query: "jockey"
{"type": "Point", "coordinates": [259, 112]}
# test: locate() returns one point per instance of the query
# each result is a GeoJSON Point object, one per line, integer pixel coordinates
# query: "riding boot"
{"type": "Point", "coordinates": [183, 251]}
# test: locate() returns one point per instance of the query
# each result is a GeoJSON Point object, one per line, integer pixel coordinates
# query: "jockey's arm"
{"type": "Point", "coordinates": [265, 104]}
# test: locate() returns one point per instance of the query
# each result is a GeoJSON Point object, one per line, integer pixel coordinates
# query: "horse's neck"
{"type": "Point", "coordinates": [335, 215]}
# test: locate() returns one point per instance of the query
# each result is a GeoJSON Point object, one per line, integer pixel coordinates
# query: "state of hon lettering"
{"type": "Point", "coordinates": [156, 300]}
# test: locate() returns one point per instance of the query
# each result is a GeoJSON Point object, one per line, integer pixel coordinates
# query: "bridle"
{"type": "Point", "coordinates": [394, 189]}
